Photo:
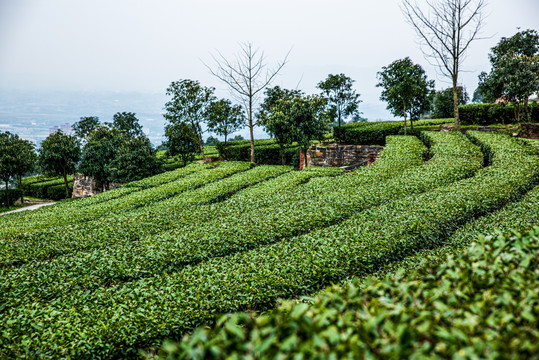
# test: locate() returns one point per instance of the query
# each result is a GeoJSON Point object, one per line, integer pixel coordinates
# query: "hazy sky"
{"type": "Point", "coordinates": [136, 45]}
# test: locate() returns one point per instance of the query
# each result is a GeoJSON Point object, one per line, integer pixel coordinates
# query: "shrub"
{"type": "Point", "coordinates": [375, 133]}
{"type": "Point", "coordinates": [58, 192]}
{"type": "Point", "coordinates": [490, 114]}
{"type": "Point", "coordinates": [488, 293]}
{"type": "Point", "coordinates": [14, 195]}
{"type": "Point", "coordinates": [266, 152]}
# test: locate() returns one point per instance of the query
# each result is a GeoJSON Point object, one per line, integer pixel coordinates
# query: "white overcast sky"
{"type": "Point", "coordinates": [143, 45]}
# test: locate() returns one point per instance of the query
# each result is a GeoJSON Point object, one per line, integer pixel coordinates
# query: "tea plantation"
{"type": "Point", "coordinates": [114, 275]}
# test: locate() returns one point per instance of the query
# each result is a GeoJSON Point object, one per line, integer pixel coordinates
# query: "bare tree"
{"type": "Point", "coordinates": [246, 76]}
{"type": "Point", "coordinates": [446, 30]}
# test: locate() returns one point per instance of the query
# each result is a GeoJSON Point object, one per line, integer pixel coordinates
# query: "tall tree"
{"type": "Point", "coordinates": [59, 155]}
{"type": "Point", "coordinates": [128, 124]}
{"type": "Point", "coordinates": [443, 102]}
{"type": "Point", "coordinates": [85, 126]}
{"type": "Point", "coordinates": [299, 119]}
{"type": "Point", "coordinates": [189, 105]}
{"type": "Point", "coordinates": [406, 89]}
{"type": "Point", "coordinates": [342, 99]}
{"type": "Point", "coordinates": [246, 76]}
{"type": "Point", "coordinates": [447, 28]}
{"type": "Point", "coordinates": [224, 118]}
{"type": "Point", "coordinates": [181, 141]}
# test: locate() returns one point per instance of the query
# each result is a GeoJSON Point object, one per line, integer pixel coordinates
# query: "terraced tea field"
{"type": "Point", "coordinates": [106, 276]}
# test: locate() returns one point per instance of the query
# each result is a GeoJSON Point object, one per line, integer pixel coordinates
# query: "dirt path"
{"type": "Point", "coordinates": [31, 207]}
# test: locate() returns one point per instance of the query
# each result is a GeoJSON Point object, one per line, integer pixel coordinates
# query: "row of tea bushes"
{"type": "Point", "coordinates": [40, 189]}
{"type": "Point", "coordinates": [41, 218]}
{"type": "Point", "coordinates": [135, 313]}
{"type": "Point", "coordinates": [169, 251]}
{"type": "Point", "coordinates": [375, 133]}
{"type": "Point", "coordinates": [56, 241]}
{"type": "Point", "coordinates": [489, 114]}
{"type": "Point", "coordinates": [72, 214]}
{"type": "Point", "coordinates": [486, 293]}
{"type": "Point", "coordinates": [117, 238]}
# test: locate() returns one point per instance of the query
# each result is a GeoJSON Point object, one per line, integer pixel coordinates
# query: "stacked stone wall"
{"type": "Point", "coordinates": [351, 156]}
{"type": "Point", "coordinates": [84, 186]}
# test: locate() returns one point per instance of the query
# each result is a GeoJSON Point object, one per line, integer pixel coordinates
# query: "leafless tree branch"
{"type": "Point", "coordinates": [246, 76]}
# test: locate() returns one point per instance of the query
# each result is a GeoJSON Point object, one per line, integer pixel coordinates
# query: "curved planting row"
{"type": "Point", "coordinates": [42, 218]}
{"type": "Point", "coordinates": [57, 241]}
{"type": "Point", "coordinates": [66, 215]}
{"type": "Point", "coordinates": [91, 268]}
{"type": "Point", "coordinates": [486, 294]}
{"type": "Point", "coordinates": [115, 321]}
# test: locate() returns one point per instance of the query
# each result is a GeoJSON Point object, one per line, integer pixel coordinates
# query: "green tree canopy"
{"type": "Point", "coordinates": [99, 152]}
{"type": "Point", "coordinates": [59, 155]}
{"type": "Point", "coordinates": [514, 76]}
{"type": "Point", "coordinates": [17, 157]}
{"type": "Point", "coordinates": [181, 141]}
{"type": "Point", "coordinates": [128, 124]}
{"type": "Point", "coordinates": [443, 102]}
{"type": "Point", "coordinates": [26, 153]}
{"type": "Point", "coordinates": [522, 43]}
{"type": "Point", "coordinates": [224, 118]}
{"type": "Point", "coordinates": [300, 119]}
{"type": "Point", "coordinates": [134, 159]}
{"type": "Point", "coordinates": [406, 89]}
{"type": "Point", "coordinates": [342, 98]}
{"type": "Point", "coordinates": [189, 105]}
{"type": "Point", "coordinates": [85, 126]}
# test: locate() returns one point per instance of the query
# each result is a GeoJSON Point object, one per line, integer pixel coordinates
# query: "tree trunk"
{"type": "Point", "coordinates": [456, 103]}
{"type": "Point", "coordinates": [67, 186]}
{"type": "Point", "coordinates": [251, 133]}
{"type": "Point", "coordinates": [20, 188]}
{"type": "Point", "coordinates": [7, 193]}
{"type": "Point", "coordinates": [404, 119]}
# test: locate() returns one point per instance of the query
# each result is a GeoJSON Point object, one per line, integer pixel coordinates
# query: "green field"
{"type": "Point", "coordinates": [110, 275]}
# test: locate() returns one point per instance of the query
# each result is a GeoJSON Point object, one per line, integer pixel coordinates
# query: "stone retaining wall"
{"type": "Point", "coordinates": [529, 131]}
{"type": "Point", "coordinates": [84, 186]}
{"type": "Point", "coordinates": [350, 156]}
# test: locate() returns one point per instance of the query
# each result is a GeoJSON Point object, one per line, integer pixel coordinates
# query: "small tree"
{"type": "Point", "coordinates": [406, 89]}
{"type": "Point", "coordinates": [128, 124]}
{"type": "Point", "coordinates": [224, 118]}
{"type": "Point", "coordinates": [300, 119]}
{"type": "Point", "coordinates": [246, 76]}
{"type": "Point", "coordinates": [181, 141]}
{"type": "Point", "coordinates": [85, 127]}
{"type": "Point", "coordinates": [443, 102]}
{"type": "Point", "coordinates": [59, 155]}
{"type": "Point", "coordinates": [342, 99]}
{"type": "Point", "coordinates": [189, 105]}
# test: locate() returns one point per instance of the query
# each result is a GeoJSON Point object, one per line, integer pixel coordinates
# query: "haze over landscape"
{"type": "Point", "coordinates": [60, 60]}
